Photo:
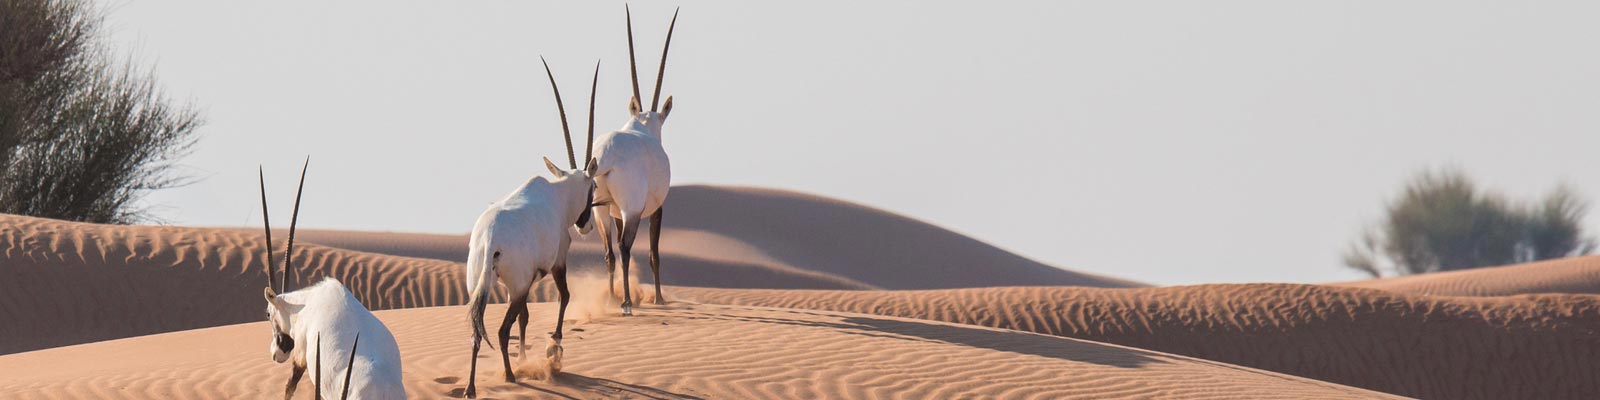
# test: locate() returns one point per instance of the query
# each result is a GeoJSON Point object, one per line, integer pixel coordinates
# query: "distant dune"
{"type": "Point", "coordinates": [679, 352]}
{"type": "Point", "coordinates": [832, 243]}
{"type": "Point", "coordinates": [1579, 275]}
{"type": "Point", "coordinates": [1522, 347]}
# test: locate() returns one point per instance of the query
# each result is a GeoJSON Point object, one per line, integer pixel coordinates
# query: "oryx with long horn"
{"type": "Point", "coordinates": [326, 309]}
{"type": "Point", "coordinates": [634, 176]}
{"type": "Point", "coordinates": [523, 237]}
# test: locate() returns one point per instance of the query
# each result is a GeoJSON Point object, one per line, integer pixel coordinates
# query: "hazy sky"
{"type": "Point", "coordinates": [1171, 142]}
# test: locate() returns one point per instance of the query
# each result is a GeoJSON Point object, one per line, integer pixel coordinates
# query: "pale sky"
{"type": "Point", "coordinates": [1171, 142]}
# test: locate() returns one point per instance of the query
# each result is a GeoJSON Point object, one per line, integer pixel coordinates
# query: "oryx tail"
{"type": "Point", "coordinates": [486, 260]}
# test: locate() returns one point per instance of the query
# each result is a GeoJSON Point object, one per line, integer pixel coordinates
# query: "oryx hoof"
{"type": "Point", "coordinates": [553, 353]}
{"type": "Point", "coordinates": [627, 309]}
{"type": "Point", "coordinates": [472, 392]}
{"type": "Point", "coordinates": [511, 377]}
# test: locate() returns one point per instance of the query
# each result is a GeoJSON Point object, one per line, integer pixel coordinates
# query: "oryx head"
{"type": "Point", "coordinates": [281, 312]}
{"type": "Point", "coordinates": [579, 184]}
{"type": "Point", "coordinates": [649, 121]}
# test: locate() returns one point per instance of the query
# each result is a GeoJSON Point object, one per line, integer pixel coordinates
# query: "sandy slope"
{"type": "Point", "coordinates": [64, 283]}
{"type": "Point", "coordinates": [1533, 347]}
{"type": "Point", "coordinates": [684, 351]}
{"type": "Point", "coordinates": [1568, 275]}
{"type": "Point", "coordinates": [717, 228]}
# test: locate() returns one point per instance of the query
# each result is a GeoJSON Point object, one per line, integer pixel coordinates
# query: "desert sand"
{"type": "Point", "coordinates": [65, 284]}
{"type": "Point", "coordinates": [677, 352]}
{"type": "Point", "coordinates": [1578, 275]}
{"type": "Point", "coordinates": [1530, 347]}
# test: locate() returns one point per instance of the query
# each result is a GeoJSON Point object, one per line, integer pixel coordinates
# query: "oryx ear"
{"type": "Point", "coordinates": [594, 165]}
{"type": "Point", "coordinates": [272, 298]}
{"type": "Point", "coordinates": [553, 168]}
{"type": "Point", "coordinates": [666, 108]}
{"type": "Point", "coordinates": [633, 106]}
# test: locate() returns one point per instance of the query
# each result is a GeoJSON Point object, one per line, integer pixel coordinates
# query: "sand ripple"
{"type": "Point", "coordinates": [679, 352]}
{"type": "Point", "coordinates": [1530, 347]}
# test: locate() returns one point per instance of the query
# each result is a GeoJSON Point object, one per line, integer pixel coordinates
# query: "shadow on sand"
{"type": "Point", "coordinates": [931, 332]}
{"type": "Point", "coordinates": [586, 387]}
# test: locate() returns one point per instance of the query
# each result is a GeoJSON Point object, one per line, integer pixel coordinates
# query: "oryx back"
{"type": "Point", "coordinates": [334, 317]}
{"type": "Point", "coordinates": [634, 172]}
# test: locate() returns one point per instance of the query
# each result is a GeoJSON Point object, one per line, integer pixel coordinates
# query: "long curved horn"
{"type": "Point", "coordinates": [266, 222]}
{"type": "Point", "coordinates": [633, 64]}
{"type": "Point", "coordinates": [588, 151]}
{"type": "Point", "coordinates": [571, 157]}
{"type": "Point", "coordinates": [288, 252]}
{"type": "Point", "coordinates": [655, 100]}
{"type": "Point", "coordinates": [350, 366]}
{"type": "Point", "coordinates": [316, 368]}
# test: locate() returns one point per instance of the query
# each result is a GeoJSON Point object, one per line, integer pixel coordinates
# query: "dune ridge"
{"type": "Point", "coordinates": [1576, 275]}
{"type": "Point", "coordinates": [1530, 346]}
{"type": "Point", "coordinates": [719, 228]}
{"type": "Point", "coordinates": [679, 352]}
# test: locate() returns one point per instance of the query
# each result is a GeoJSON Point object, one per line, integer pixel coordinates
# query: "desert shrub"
{"type": "Point", "coordinates": [1442, 221]}
{"type": "Point", "coordinates": [81, 137]}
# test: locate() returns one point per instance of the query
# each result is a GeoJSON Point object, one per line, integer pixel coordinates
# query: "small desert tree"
{"type": "Point", "coordinates": [1442, 222]}
{"type": "Point", "coordinates": [81, 137]}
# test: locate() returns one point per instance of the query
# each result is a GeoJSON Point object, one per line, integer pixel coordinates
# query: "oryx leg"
{"type": "Point", "coordinates": [554, 352]}
{"type": "Point", "coordinates": [517, 306]}
{"type": "Point", "coordinates": [630, 229]}
{"type": "Point", "coordinates": [522, 339]}
{"type": "Point", "coordinates": [655, 252]}
{"type": "Point", "coordinates": [472, 377]}
{"type": "Point", "coordinates": [616, 240]}
{"type": "Point", "coordinates": [294, 381]}
{"type": "Point", "coordinates": [603, 222]}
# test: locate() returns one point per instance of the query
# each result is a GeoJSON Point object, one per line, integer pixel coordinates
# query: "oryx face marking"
{"type": "Point", "coordinates": [588, 211]}
{"type": "Point", "coordinates": [282, 343]}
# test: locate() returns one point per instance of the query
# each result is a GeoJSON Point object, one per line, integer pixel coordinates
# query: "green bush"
{"type": "Point", "coordinates": [81, 137]}
{"type": "Point", "coordinates": [1443, 222]}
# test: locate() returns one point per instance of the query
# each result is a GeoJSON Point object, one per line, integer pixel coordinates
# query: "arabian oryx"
{"type": "Point", "coordinates": [634, 176]}
{"type": "Point", "coordinates": [523, 237]}
{"type": "Point", "coordinates": [328, 312]}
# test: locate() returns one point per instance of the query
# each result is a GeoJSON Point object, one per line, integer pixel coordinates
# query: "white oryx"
{"type": "Point", "coordinates": [328, 312]}
{"type": "Point", "coordinates": [634, 176]}
{"type": "Point", "coordinates": [523, 237]}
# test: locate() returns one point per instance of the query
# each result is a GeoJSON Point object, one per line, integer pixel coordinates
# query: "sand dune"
{"type": "Point", "coordinates": [1530, 347]}
{"type": "Point", "coordinates": [65, 283]}
{"type": "Point", "coordinates": [678, 352]}
{"type": "Point", "coordinates": [790, 233]}
{"type": "Point", "coordinates": [1580, 275]}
